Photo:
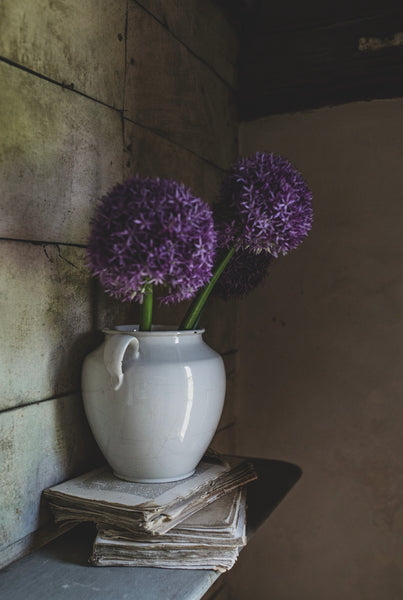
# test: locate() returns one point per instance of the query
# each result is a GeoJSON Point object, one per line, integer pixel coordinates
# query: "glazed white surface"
{"type": "Point", "coordinates": [153, 401]}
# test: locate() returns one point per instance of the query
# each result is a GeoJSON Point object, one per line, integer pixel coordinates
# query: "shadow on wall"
{"type": "Point", "coordinates": [325, 390]}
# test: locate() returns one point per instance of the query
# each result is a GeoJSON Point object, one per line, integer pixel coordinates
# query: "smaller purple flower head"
{"type": "Point", "coordinates": [151, 231]}
{"type": "Point", "coordinates": [264, 205]}
{"type": "Point", "coordinates": [244, 273]}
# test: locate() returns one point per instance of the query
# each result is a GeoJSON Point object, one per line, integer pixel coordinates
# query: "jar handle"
{"type": "Point", "coordinates": [114, 351]}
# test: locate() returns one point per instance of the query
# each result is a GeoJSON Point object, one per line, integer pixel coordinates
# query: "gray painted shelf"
{"type": "Point", "coordinates": [60, 569]}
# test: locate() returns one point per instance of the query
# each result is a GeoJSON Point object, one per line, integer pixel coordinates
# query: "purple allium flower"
{"type": "Point", "coordinates": [244, 272]}
{"type": "Point", "coordinates": [152, 231]}
{"type": "Point", "coordinates": [264, 205]}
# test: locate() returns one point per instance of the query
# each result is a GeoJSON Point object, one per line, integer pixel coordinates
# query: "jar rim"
{"type": "Point", "coordinates": [157, 330]}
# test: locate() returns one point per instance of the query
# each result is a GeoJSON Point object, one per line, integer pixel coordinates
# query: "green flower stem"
{"type": "Point", "coordinates": [193, 312]}
{"type": "Point", "coordinates": [146, 309]}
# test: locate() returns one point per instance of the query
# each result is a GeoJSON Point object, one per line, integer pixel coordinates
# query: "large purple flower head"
{"type": "Point", "coordinates": [244, 272]}
{"type": "Point", "coordinates": [152, 231]}
{"type": "Point", "coordinates": [264, 205]}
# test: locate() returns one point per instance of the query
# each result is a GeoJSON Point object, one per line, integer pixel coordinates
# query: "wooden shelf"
{"type": "Point", "coordinates": [60, 569]}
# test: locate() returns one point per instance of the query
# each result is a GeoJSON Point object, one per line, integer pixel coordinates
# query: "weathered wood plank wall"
{"type": "Point", "coordinates": [91, 93]}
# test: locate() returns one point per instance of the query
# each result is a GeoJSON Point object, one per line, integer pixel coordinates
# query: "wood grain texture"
{"type": "Point", "coordinates": [61, 40]}
{"type": "Point", "coordinates": [171, 92]}
{"type": "Point", "coordinates": [52, 316]}
{"type": "Point", "coordinates": [46, 306]}
{"type": "Point", "coordinates": [60, 152]}
{"type": "Point", "coordinates": [40, 445]}
{"type": "Point", "coordinates": [204, 29]}
{"type": "Point", "coordinates": [29, 543]}
{"type": "Point", "coordinates": [152, 155]}
{"type": "Point", "coordinates": [55, 158]}
{"type": "Point", "coordinates": [308, 59]}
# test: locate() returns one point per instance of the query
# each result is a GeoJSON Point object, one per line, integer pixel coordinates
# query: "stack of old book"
{"type": "Point", "coordinates": [195, 523]}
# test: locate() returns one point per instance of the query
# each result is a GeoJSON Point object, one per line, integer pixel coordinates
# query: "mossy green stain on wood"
{"type": "Point", "coordinates": [55, 158]}
{"type": "Point", "coordinates": [41, 444]}
{"type": "Point", "coordinates": [72, 42]}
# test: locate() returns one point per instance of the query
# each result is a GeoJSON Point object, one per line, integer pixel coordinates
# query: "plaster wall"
{"type": "Point", "coordinates": [321, 364]}
{"type": "Point", "coordinates": [90, 94]}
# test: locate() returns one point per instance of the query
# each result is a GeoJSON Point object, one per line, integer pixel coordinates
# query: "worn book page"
{"type": "Point", "coordinates": [220, 521]}
{"type": "Point", "coordinates": [100, 485]}
{"type": "Point", "coordinates": [156, 508]}
{"type": "Point", "coordinates": [207, 547]}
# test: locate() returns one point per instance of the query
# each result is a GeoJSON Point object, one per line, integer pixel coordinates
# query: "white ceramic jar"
{"type": "Point", "coordinates": [153, 401]}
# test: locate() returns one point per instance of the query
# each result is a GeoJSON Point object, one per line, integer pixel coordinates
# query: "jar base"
{"type": "Point", "coordinates": [153, 479]}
